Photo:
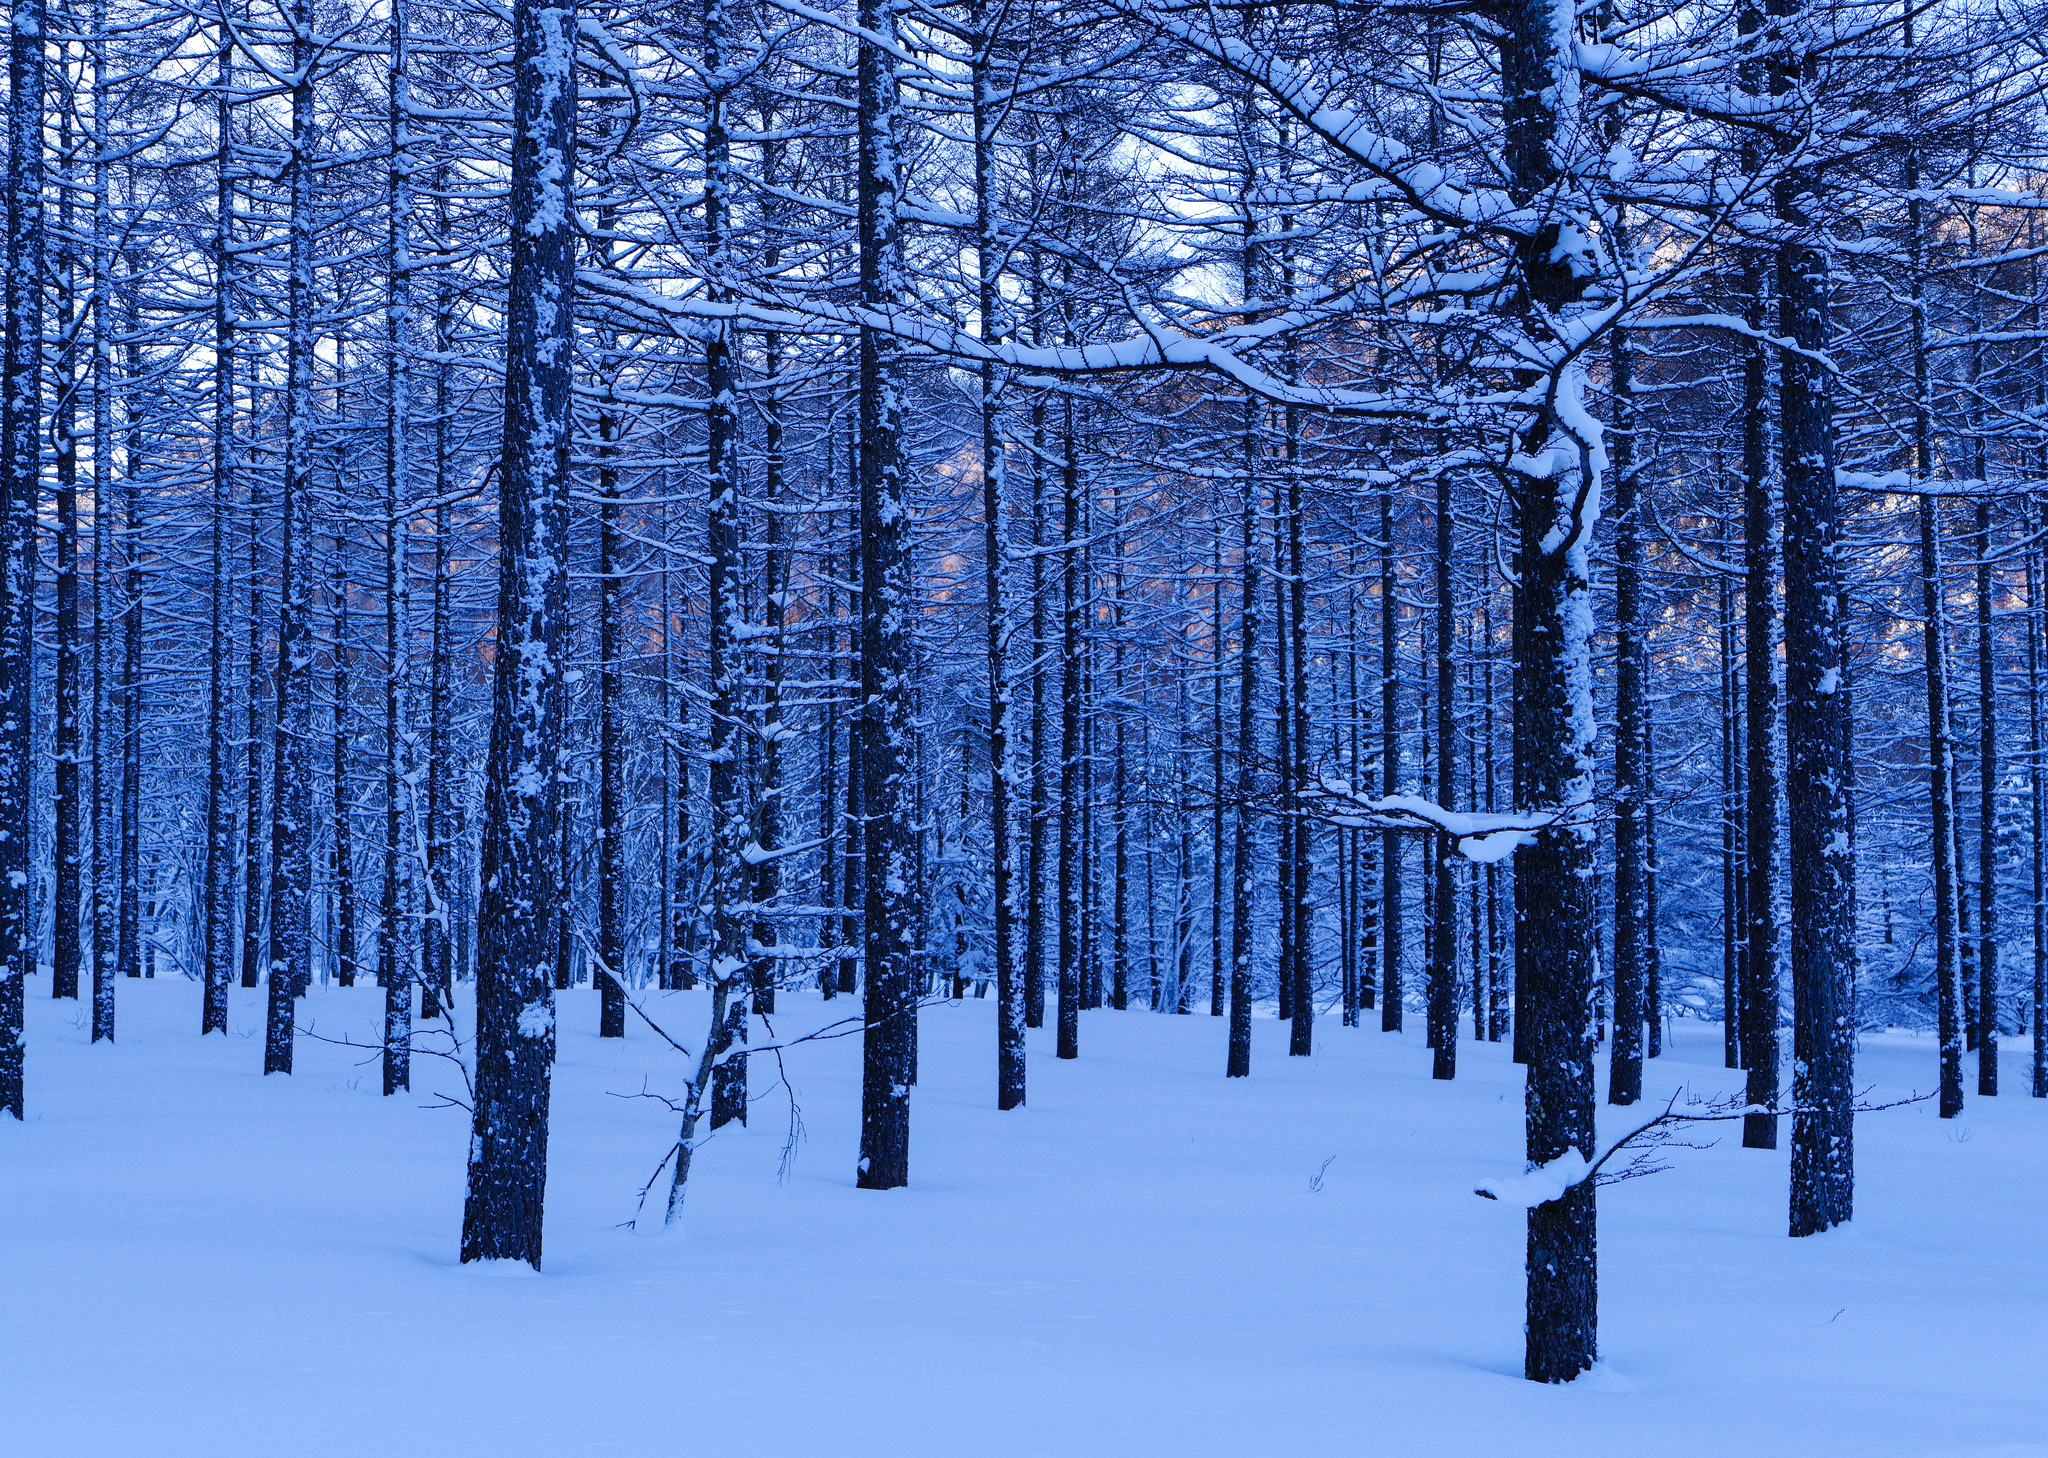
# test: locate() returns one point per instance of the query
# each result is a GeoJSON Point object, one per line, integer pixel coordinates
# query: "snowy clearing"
{"type": "Point", "coordinates": [200, 1260]}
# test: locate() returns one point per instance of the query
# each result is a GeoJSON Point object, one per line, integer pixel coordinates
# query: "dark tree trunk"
{"type": "Point", "coordinates": [515, 1044]}
{"type": "Point", "coordinates": [1392, 990]}
{"type": "Point", "coordinates": [1238, 1063]}
{"type": "Point", "coordinates": [1496, 932]}
{"type": "Point", "coordinates": [1625, 1065]}
{"type": "Point", "coordinates": [1072, 944]}
{"type": "Point", "coordinates": [1987, 816]}
{"type": "Point", "coordinates": [220, 814]}
{"type": "Point", "coordinates": [397, 897]}
{"type": "Point", "coordinates": [611, 827]}
{"type": "Point", "coordinates": [2037, 785]}
{"type": "Point", "coordinates": [67, 800]}
{"type": "Point", "coordinates": [828, 772]}
{"type": "Point", "coordinates": [105, 894]}
{"type": "Point", "coordinates": [889, 1009]}
{"type": "Point", "coordinates": [1443, 882]}
{"type": "Point", "coordinates": [725, 778]}
{"type": "Point", "coordinates": [1555, 910]}
{"type": "Point", "coordinates": [254, 675]}
{"type": "Point", "coordinates": [1036, 881]}
{"type": "Point", "coordinates": [21, 407]}
{"type": "Point", "coordinates": [1653, 945]}
{"type": "Point", "coordinates": [343, 932]}
{"type": "Point", "coordinates": [1817, 743]}
{"type": "Point", "coordinates": [995, 578]}
{"type": "Point", "coordinates": [1759, 992]}
{"type": "Point", "coordinates": [765, 884]}
{"type": "Point", "coordinates": [1219, 672]}
{"type": "Point", "coordinates": [291, 821]}
{"type": "Point", "coordinates": [437, 963]}
{"type": "Point", "coordinates": [1554, 915]}
{"type": "Point", "coordinates": [128, 878]}
{"type": "Point", "coordinates": [1941, 787]}
{"type": "Point", "coordinates": [1301, 1036]}
{"type": "Point", "coordinates": [1286, 882]}
{"type": "Point", "coordinates": [1734, 882]}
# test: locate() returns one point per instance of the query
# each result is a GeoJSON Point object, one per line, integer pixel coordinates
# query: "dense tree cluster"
{"type": "Point", "coordinates": [1506, 512]}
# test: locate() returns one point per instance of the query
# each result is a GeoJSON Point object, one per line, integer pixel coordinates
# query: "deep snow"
{"type": "Point", "coordinates": [199, 1260]}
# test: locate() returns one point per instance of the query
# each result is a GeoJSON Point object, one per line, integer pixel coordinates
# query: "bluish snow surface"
{"type": "Point", "coordinates": [201, 1261]}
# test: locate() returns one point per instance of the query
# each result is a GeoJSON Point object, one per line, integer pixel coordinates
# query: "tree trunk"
{"type": "Point", "coordinates": [1072, 943]}
{"type": "Point", "coordinates": [252, 761]}
{"type": "Point", "coordinates": [1934, 638]}
{"type": "Point", "coordinates": [611, 816]}
{"type": "Point", "coordinates": [105, 896]}
{"type": "Point", "coordinates": [1987, 815]}
{"type": "Point", "coordinates": [1625, 1065]}
{"type": "Point", "coordinates": [291, 823]}
{"type": "Point", "coordinates": [21, 413]}
{"type": "Point", "coordinates": [437, 963]}
{"type": "Point", "coordinates": [67, 806]}
{"type": "Point", "coordinates": [1392, 990]}
{"type": "Point", "coordinates": [394, 944]}
{"type": "Point", "coordinates": [1300, 1042]}
{"type": "Point", "coordinates": [2037, 784]}
{"type": "Point", "coordinates": [725, 780]}
{"type": "Point", "coordinates": [515, 1044]}
{"type": "Point", "coordinates": [887, 599]}
{"type": "Point", "coordinates": [1443, 886]}
{"type": "Point", "coordinates": [765, 886]}
{"type": "Point", "coordinates": [344, 870]}
{"type": "Point", "coordinates": [1555, 911]}
{"type": "Point", "coordinates": [1734, 799]}
{"type": "Point", "coordinates": [1817, 743]}
{"type": "Point", "coordinates": [1010, 1009]}
{"type": "Point", "coordinates": [1758, 997]}
{"type": "Point", "coordinates": [1239, 1060]}
{"type": "Point", "coordinates": [220, 814]}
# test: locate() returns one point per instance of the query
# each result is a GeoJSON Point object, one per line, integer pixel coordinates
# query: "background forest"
{"type": "Point", "coordinates": [1521, 520]}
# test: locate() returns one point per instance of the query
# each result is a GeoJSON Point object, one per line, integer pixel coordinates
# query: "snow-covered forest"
{"type": "Point", "coordinates": [776, 557]}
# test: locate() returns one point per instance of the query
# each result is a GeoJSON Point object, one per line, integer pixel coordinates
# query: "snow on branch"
{"type": "Point", "coordinates": [1483, 838]}
{"type": "Point", "coordinates": [1645, 1145]}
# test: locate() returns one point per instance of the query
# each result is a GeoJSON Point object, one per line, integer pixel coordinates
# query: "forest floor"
{"type": "Point", "coordinates": [1149, 1260]}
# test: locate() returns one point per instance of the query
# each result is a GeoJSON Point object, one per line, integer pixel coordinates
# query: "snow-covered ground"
{"type": "Point", "coordinates": [198, 1260]}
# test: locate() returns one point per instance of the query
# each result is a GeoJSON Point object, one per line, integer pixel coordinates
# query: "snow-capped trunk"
{"type": "Point", "coordinates": [612, 885]}
{"type": "Point", "coordinates": [1817, 743]}
{"type": "Point", "coordinates": [515, 1043]}
{"type": "Point", "coordinates": [437, 963]}
{"type": "Point", "coordinates": [1987, 803]}
{"type": "Point", "coordinates": [1631, 668]}
{"type": "Point", "coordinates": [995, 578]}
{"type": "Point", "coordinates": [1442, 984]}
{"type": "Point", "coordinates": [21, 406]}
{"type": "Point", "coordinates": [1037, 888]}
{"type": "Point", "coordinates": [105, 896]}
{"type": "Point", "coordinates": [1238, 1056]}
{"type": "Point", "coordinates": [1941, 788]}
{"type": "Point", "coordinates": [887, 589]}
{"type": "Point", "coordinates": [611, 735]}
{"type": "Point", "coordinates": [398, 896]}
{"type": "Point", "coordinates": [1758, 999]}
{"type": "Point", "coordinates": [291, 820]}
{"type": "Point", "coordinates": [220, 808]}
{"type": "Point", "coordinates": [723, 659]}
{"type": "Point", "coordinates": [67, 706]}
{"type": "Point", "coordinates": [1392, 991]}
{"type": "Point", "coordinates": [1556, 490]}
{"type": "Point", "coordinates": [341, 931]}
{"type": "Point", "coordinates": [1074, 950]}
